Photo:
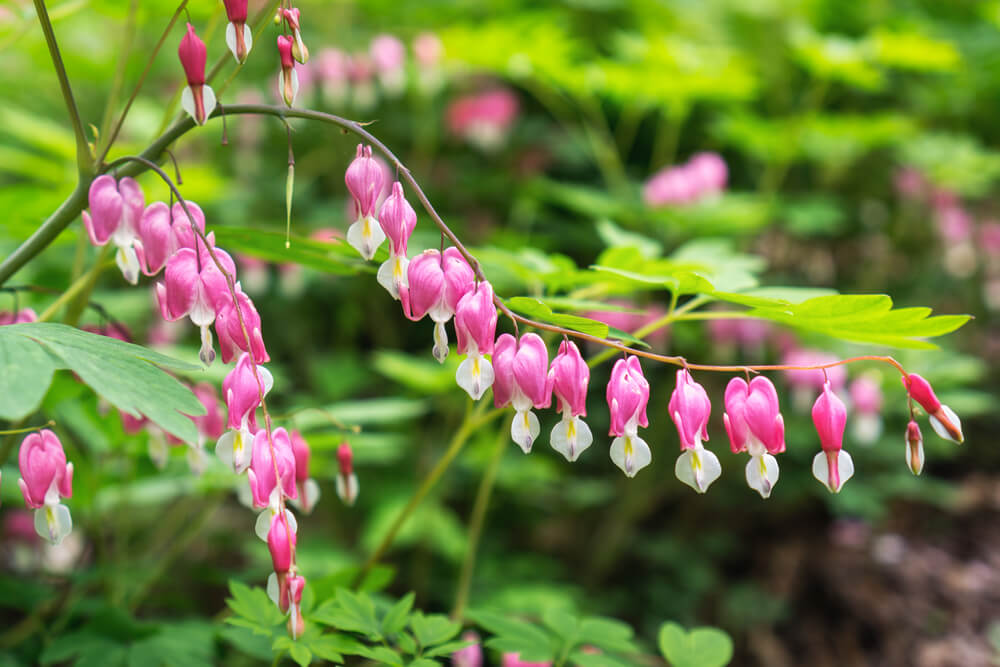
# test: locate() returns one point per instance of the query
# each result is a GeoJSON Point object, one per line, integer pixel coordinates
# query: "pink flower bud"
{"type": "Point", "coordinates": [45, 475]}
{"type": "Point", "coordinates": [197, 99]}
{"type": "Point", "coordinates": [914, 448]}
{"type": "Point", "coordinates": [753, 420]}
{"type": "Point", "coordinates": [230, 331]}
{"type": "Point", "coordinates": [569, 376]}
{"type": "Point", "coordinates": [296, 624]}
{"type": "Point", "coordinates": [364, 180]}
{"type": "Point", "coordinates": [476, 320]}
{"type": "Point", "coordinates": [521, 372]}
{"type": "Point", "coordinates": [106, 206]}
{"type": "Point", "coordinates": [943, 419]}
{"type": "Point", "coordinates": [521, 380]}
{"type": "Point", "coordinates": [300, 448]}
{"type": "Point", "coordinates": [347, 481]}
{"type": "Point", "coordinates": [288, 78]}
{"type": "Point", "coordinates": [434, 287]}
{"type": "Point", "coordinates": [866, 395]}
{"type": "Point", "coordinates": [483, 119]}
{"type": "Point", "coordinates": [669, 186]}
{"type": "Point", "coordinates": [627, 394]}
{"type": "Point", "coordinates": [261, 472]}
{"type": "Point", "coordinates": [397, 219]}
{"type": "Point", "coordinates": [830, 417]}
{"type": "Point", "coordinates": [242, 392]}
{"type": "Point", "coordinates": [298, 47]}
{"type": "Point", "coordinates": [690, 409]}
{"type": "Point", "coordinates": [239, 37]}
{"type": "Point", "coordinates": [471, 655]}
{"type": "Point", "coordinates": [281, 544]}
{"type": "Point", "coordinates": [388, 53]}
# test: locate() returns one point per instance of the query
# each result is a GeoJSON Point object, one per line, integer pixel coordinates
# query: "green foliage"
{"type": "Point", "coordinates": [699, 647]}
{"type": "Point", "coordinates": [128, 376]}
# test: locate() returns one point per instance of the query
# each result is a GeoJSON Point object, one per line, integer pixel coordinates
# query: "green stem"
{"type": "Point", "coordinates": [83, 157]}
{"type": "Point", "coordinates": [476, 524]}
{"type": "Point", "coordinates": [468, 427]}
{"type": "Point", "coordinates": [113, 134]}
{"type": "Point", "coordinates": [82, 284]}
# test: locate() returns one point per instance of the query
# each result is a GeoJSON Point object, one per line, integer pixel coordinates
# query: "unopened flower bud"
{"type": "Point", "coordinates": [914, 448]}
{"type": "Point", "coordinates": [198, 99]}
{"type": "Point", "coordinates": [943, 419]}
{"type": "Point", "coordinates": [299, 50]}
{"type": "Point", "coordinates": [288, 78]}
{"type": "Point", "coordinates": [690, 409]}
{"type": "Point", "coordinates": [239, 37]}
{"type": "Point", "coordinates": [347, 481]}
{"type": "Point", "coordinates": [832, 466]}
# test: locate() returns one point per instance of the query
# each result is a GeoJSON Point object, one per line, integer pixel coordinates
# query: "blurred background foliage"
{"type": "Point", "coordinates": [862, 151]}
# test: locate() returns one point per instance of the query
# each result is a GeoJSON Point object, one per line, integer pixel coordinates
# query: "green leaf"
{"type": "Point", "coordinates": [597, 660]}
{"type": "Point", "coordinates": [564, 624]}
{"type": "Point", "coordinates": [129, 376]}
{"type": "Point", "coordinates": [395, 619]}
{"type": "Point", "coordinates": [327, 256]}
{"type": "Point", "coordinates": [608, 634]}
{"type": "Point", "coordinates": [701, 647]}
{"type": "Point", "coordinates": [354, 612]}
{"type": "Point", "coordinates": [27, 375]}
{"type": "Point", "coordinates": [382, 655]}
{"type": "Point", "coordinates": [253, 609]}
{"type": "Point", "coordinates": [300, 654]}
{"type": "Point", "coordinates": [329, 647]}
{"type": "Point", "coordinates": [533, 643]}
{"type": "Point", "coordinates": [423, 662]}
{"type": "Point", "coordinates": [537, 310]}
{"type": "Point", "coordinates": [446, 649]}
{"type": "Point", "coordinates": [247, 641]}
{"type": "Point", "coordinates": [864, 318]}
{"type": "Point", "coordinates": [434, 629]}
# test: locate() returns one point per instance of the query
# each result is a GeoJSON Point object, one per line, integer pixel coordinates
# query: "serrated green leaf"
{"type": "Point", "coordinates": [327, 647]}
{"type": "Point", "coordinates": [423, 662]}
{"type": "Point", "coordinates": [129, 376]}
{"type": "Point", "coordinates": [700, 647]}
{"type": "Point", "coordinates": [433, 629]}
{"type": "Point", "coordinates": [253, 609]}
{"type": "Point", "coordinates": [597, 660]}
{"type": "Point", "coordinates": [300, 654]}
{"type": "Point", "coordinates": [446, 649]}
{"type": "Point", "coordinates": [608, 634]}
{"type": "Point", "coordinates": [517, 636]}
{"type": "Point", "coordinates": [395, 619]}
{"type": "Point", "coordinates": [863, 318]}
{"type": "Point", "coordinates": [246, 640]}
{"type": "Point", "coordinates": [27, 375]}
{"type": "Point", "coordinates": [561, 622]}
{"type": "Point", "coordinates": [382, 655]}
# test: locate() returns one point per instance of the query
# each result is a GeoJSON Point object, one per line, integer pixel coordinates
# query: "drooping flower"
{"type": "Point", "coordinates": [943, 419]}
{"type": "Point", "coordinates": [628, 394]}
{"type": "Point", "coordinates": [914, 448]}
{"type": "Point", "coordinates": [115, 211]}
{"type": "Point", "coordinates": [866, 401]}
{"type": "Point", "coordinates": [281, 544]}
{"type": "Point", "coordinates": [427, 51]}
{"type": "Point", "coordinates": [754, 424]}
{"type": "Point", "coordinates": [288, 78]}
{"type": "Point", "coordinates": [198, 98]}
{"type": "Point", "coordinates": [347, 480]}
{"type": "Point", "coordinates": [389, 56]}
{"type": "Point", "coordinates": [476, 329]}
{"type": "Point", "coordinates": [435, 285]}
{"type": "Point", "coordinates": [194, 286]}
{"type": "Point", "coordinates": [296, 624]}
{"type": "Point", "coordinates": [267, 489]}
{"type": "Point", "coordinates": [241, 392]}
{"type": "Point", "coordinates": [521, 370]}
{"type": "Point", "coordinates": [709, 173]}
{"type": "Point", "coordinates": [364, 179]}
{"type": "Point", "coordinates": [239, 36]}
{"type": "Point", "coordinates": [397, 219]}
{"type": "Point", "coordinates": [230, 330]}
{"type": "Point", "coordinates": [20, 317]}
{"type": "Point", "coordinates": [331, 67]}
{"type": "Point", "coordinates": [298, 47]}
{"type": "Point", "coordinates": [832, 466]}
{"type": "Point", "coordinates": [45, 477]}
{"type": "Point", "coordinates": [690, 409]}
{"type": "Point", "coordinates": [569, 376]}
{"type": "Point", "coordinates": [308, 488]}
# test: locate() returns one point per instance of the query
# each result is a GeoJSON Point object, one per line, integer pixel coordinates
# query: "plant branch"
{"type": "Point", "coordinates": [476, 522]}
{"type": "Point", "coordinates": [468, 427]}
{"type": "Point", "coordinates": [83, 161]}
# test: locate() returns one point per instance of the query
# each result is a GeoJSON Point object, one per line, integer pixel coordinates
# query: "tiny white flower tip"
{"type": "Point", "coordinates": [570, 437]}
{"type": "Point", "coordinates": [366, 236]}
{"type": "Point", "coordinates": [440, 350]}
{"type": "Point", "coordinates": [53, 523]}
{"type": "Point", "coordinates": [762, 474]}
{"type": "Point", "coordinates": [347, 489]}
{"type": "Point", "coordinates": [524, 429]}
{"type": "Point", "coordinates": [128, 262]}
{"type": "Point", "coordinates": [698, 468]}
{"type": "Point", "coordinates": [821, 470]}
{"type": "Point", "coordinates": [630, 453]}
{"type": "Point", "coordinates": [475, 375]}
{"type": "Point", "coordinates": [942, 430]}
{"type": "Point", "coordinates": [273, 589]}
